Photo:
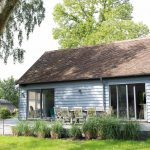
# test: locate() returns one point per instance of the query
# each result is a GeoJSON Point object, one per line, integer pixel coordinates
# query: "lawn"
{"type": "Point", "coordinates": [30, 143]}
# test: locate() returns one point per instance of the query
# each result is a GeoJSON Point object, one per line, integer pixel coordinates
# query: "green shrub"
{"type": "Point", "coordinates": [113, 128]}
{"type": "Point", "coordinates": [130, 130]}
{"type": "Point", "coordinates": [18, 129]}
{"type": "Point", "coordinates": [57, 130]}
{"type": "Point", "coordinates": [110, 127]}
{"type": "Point", "coordinates": [41, 129]}
{"type": "Point", "coordinates": [75, 132]}
{"type": "Point", "coordinates": [91, 128]}
{"type": "Point", "coordinates": [66, 133]}
{"type": "Point", "coordinates": [27, 130]}
{"type": "Point", "coordinates": [4, 113]}
{"type": "Point", "coordinates": [22, 129]}
{"type": "Point", "coordinates": [15, 131]}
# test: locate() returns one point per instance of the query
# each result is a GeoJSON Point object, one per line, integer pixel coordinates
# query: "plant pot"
{"type": "Point", "coordinates": [77, 137]}
{"type": "Point", "coordinates": [88, 135]}
{"type": "Point", "coordinates": [15, 132]}
{"type": "Point", "coordinates": [41, 135]}
{"type": "Point", "coordinates": [28, 133]}
{"type": "Point", "coordinates": [54, 135]}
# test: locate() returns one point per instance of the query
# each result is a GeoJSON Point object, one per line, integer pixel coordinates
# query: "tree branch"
{"type": "Point", "coordinates": [6, 11]}
{"type": "Point", "coordinates": [82, 9]}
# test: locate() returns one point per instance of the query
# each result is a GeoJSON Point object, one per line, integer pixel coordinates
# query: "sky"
{"type": "Point", "coordinates": [41, 39]}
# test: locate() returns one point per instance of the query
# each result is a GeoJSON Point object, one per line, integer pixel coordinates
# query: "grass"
{"type": "Point", "coordinates": [31, 143]}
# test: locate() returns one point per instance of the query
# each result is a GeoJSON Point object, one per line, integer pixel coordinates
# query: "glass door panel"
{"type": "Point", "coordinates": [131, 101]}
{"type": "Point", "coordinates": [122, 101]}
{"type": "Point", "coordinates": [113, 96]}
{"type": "Point", "coordinates": [140, 101]}
{"type": "Point", "coordinates": [34, 104]}
{"type": "Point", "coordinates": [47, 103]}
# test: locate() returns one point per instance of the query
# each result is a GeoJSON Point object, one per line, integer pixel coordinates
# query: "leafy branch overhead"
{"type": "Point", "coordinates": [88, 22]}
{"type": "Point", "coordinates": [18, 18]}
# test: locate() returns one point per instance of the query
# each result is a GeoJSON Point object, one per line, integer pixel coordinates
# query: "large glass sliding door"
{"type": "Point", "coordinates": [128, 101]}
{"type": "Point", "coordinates": [40, 103]}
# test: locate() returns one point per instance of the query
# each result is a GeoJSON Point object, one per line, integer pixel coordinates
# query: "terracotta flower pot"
{"type": "Point", "coordinates": [29, 133]}
{"type": "Point", "coordinates": [54, 135]}
{"type": "Point", "coordinates": [88, 135]}
{"type": "Point", "coordinates": [41, 135]}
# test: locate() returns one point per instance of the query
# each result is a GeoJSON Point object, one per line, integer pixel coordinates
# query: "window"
{"type": "Point", "coordinates": [128, 101]}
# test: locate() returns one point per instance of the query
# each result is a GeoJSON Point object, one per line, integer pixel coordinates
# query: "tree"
{"type": "Point", "coordinates": [18, 18]}
{"type": "Point", "coordinates": [9, 91]}
{"type": "Point", "coordinates": [4, 114]}
{"type": "Point", "coordinates": [89, 22]}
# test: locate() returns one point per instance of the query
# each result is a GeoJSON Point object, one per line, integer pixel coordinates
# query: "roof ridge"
{"type": "Point", "coordinates": [101, 44]}
{"type": "Point", "coordinates": [130, 40]}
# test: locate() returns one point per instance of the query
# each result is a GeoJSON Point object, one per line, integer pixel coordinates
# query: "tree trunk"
{"type": "Point", "coordinates": [6, 8]}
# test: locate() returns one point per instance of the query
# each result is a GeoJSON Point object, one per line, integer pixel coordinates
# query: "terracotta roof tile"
{"type": "Point", "coordinates": [124, 58]}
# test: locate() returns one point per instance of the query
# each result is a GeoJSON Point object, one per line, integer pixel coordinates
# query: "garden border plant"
{"type": "Point", "coordinates": [75, 132]}
{"type": "Point", "coordinates": [57, 130]}
{"type": "Point", "coordinates": [91, 128]}
{"type": "Point", "coordinates": [105, 127]}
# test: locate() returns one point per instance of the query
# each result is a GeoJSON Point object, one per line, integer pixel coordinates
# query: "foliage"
{"type": "Point", "coordinates": [41, 127]}
{"type": "Point", "coordinates": [9, 91]}
{"type": "Point", "coordinates": [75, 132]}
{"type": "Point", "coordinates": [19, 23]}
{"type": "Point", "coordinates": [4, 113]}
{"type": "Point", "coordinates": [131, 130]}
{"type": "Point", "coordinates": [57, 128]}
{"type": "Point", "coordinates": [22, 129]}
{"type": "Point", "coordinates": [89, 22]}
{"type": "Point", "coordinates": [91, 127]}
{"type": "Point", "coordinates": [113, 128]}
{"type": "Point", "coordinates": [43, 130]}
{"type": "Point", "coordinates": [15, 131]}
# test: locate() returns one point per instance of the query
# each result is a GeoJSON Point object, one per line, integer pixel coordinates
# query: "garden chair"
{"type": "Point", "coordinates": [78, 113]}
{"type": "Point", "coordinates": [91, 112]}
{"type": "Point", "coordinates": [65, 114]}
{"type": "Point", "coordinates": [58, 113]}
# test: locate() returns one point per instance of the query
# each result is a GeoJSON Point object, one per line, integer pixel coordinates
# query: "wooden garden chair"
{"type": "Point", "coordinates": [78, 113]}
{"type": "Point", "coordinates": [65, 114]}
{"type": "Point", "coordinates": [58, 113]}
{"type": "Point", "coordinates": [91, 112]}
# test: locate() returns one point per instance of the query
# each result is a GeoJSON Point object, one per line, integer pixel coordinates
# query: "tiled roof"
{"type": "Point", "coordinates": [125, 58]}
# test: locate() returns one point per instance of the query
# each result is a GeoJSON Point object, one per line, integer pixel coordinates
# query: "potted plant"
{"type": "Point", "coordinates": [56, 130]}
{"type": "Point", "coordinates": [91, 128]}
{"type": "Point", "coordinates": [75, 132]}
{"type": "Point", "coordinates": [19, 129]}
{"type": "Point", "coordinates": [42, 131]}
